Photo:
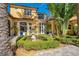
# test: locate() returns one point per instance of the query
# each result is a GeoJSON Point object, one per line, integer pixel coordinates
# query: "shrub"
{"type": "Point", "coordinates": [20, 41]}
{"type": "Point", "coordinates": [67, 41]}
{"type": "Point", "coordinates": [19, 38]}
{"type": "Point", "coordinates": [32, 45]}
{"type": "Point", "coordinates": [28, 38]}
{"type": "Point", "coordinates": [74, 40]}
{"type": "Point", "coordinates": [45, 42]}
{"type": "Point", "coordinates": [44, 37]}
{"type": "Point", "coordinates": [54, 44]}
{"type": "Point", "coordinates": [39, 44]}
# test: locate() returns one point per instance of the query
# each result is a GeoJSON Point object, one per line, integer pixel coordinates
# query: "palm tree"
{"type": "Point", "coordinates": [62, 12]}
{"type": "Point", "coordinates": [5, 48]}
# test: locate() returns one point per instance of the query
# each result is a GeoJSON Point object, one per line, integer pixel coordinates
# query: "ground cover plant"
{"type": "Point", "coordinates": [74, 40]}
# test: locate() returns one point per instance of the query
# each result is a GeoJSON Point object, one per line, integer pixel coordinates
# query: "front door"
{"type": "Point", "coordinates": [42, 28]}
{"type": "Point", "coordinates": [23, 28]}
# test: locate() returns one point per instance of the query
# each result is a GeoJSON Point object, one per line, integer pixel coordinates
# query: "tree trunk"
{"type": "Point", "coordinates": [65, 28]}
{"type": "Point", "coordinates": [78, 18]}
{"type": "Point", "coordinates": [5, 48]}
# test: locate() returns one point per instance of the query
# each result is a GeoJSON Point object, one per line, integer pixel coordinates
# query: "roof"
{"type": "Point", "coordinates": [41, 13]}
{"type": "Point", "coordinates": [20, 6]}
{"type": "Point", "coordinates": [74, 18]}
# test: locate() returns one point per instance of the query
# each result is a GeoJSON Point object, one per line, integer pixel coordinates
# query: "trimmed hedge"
{"type": "Point", "coordinates": [44, 37]}
{"type": "Point", "coordinates": [39, 44]}
{"type": "Point", "coordinates": [20, 42]}
{"type": "Point", "coordinates": [44, 42]}
{"type": "Point", "coordinates": [19, 38]}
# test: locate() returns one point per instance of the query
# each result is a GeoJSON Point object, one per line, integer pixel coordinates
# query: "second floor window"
{"type": "Point", "coordinates": [27, 12]}
{"type": "Point", "coordinates": [40, 16]}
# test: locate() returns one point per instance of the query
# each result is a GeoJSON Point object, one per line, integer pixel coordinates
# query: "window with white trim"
{"type": "Point", "coordinates": [27, 12]}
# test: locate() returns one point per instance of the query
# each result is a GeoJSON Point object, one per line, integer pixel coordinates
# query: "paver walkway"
{"type": "Point", "coordinates": [69, 50]}
{"type": "Point", "coordinates": [13, 40]}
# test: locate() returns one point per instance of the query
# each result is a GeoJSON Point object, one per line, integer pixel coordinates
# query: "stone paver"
{"type": "Point", "coordinates": [69, 50]}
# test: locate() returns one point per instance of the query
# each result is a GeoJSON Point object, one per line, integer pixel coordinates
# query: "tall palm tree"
{"type": "Point", "coordinates": [5, 48]}
{"type": "Point", "coordinates": [63, 12]}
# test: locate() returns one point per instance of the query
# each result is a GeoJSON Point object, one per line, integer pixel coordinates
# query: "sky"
{"type": "Point", "coordinates": [41, 7]}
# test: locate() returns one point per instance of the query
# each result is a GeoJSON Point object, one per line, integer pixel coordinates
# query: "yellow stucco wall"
{"type": "Point", "coordinates": [53, 26]}
{"type": "Point", "coordinates": [72, 23]}
{"type": "Point", "coordinates": [17, 15]}
{"type": "Point", "coordinates": [18, 12]}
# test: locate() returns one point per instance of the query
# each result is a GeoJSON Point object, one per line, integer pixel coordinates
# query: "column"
{"type": "Point", "coordinates": [28, 29]}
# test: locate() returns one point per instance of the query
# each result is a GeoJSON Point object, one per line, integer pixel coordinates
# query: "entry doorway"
{"type": "Point", "coordinates": [23, 28]}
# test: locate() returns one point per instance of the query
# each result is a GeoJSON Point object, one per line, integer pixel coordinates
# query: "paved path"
{"type": "Point", "coordinates": [69, 50]}
{"type": "Point", "coordinates": [13, 40]}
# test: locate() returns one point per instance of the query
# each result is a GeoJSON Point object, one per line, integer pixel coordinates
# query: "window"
{"type": "Point", "coordinates": [42, 28]}
{"type": "Point", "coordinates": [23, 26]}
{"type": "Point", "coordinates": [69, 27]}
{"type": "Point", "coordinates": [30, 27]}
{"type": "Point", "coordinates": [27, 12]}
{"type": "Point", "coordinates": [40, 16]}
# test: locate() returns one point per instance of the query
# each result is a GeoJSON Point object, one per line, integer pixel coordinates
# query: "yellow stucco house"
{"type": "Point", "coordinates": [25, 20]}
{"type": "Point", "coordinates": [52, 21]}
{"type": "Point", "coordinates": [72, 26]}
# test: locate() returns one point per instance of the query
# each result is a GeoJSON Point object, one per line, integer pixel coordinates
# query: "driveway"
{"type": "Point", "coordinates": [69, 50]}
